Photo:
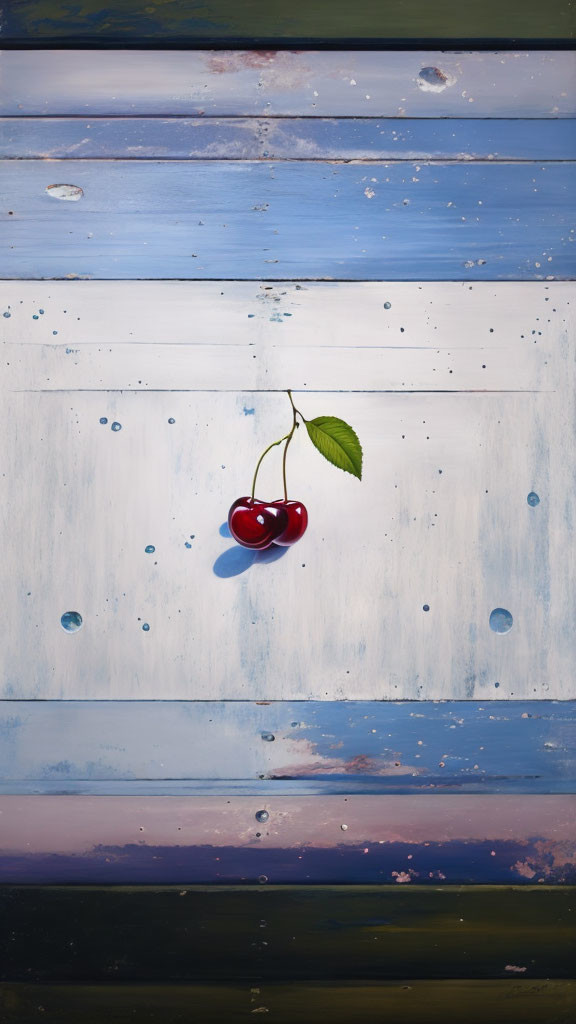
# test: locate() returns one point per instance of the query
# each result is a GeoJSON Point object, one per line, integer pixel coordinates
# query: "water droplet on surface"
{"type": "Point", "coordinates": [116, 426]}
{"type": "Point", "coordinates": [103, 419]}
{"type": "Point", "coordinates": [145, 627]}
{"type": "Point", "coordinates": [387, 305]}
{"type": "Point", "coordinates": [533, 499]}
{"type": "Point", "coordinates": [501, 620]}
{"type": "Point", "coordinates": [268, 736]}
{"type": "Point", "coordinates": [71, 621]}
{"type": "Point", "coordinates": [149, 549]}
{"type": "Point", "coordinates": [261, 815]}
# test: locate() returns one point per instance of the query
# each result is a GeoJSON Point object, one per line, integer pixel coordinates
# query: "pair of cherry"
{"type": "Point", "coordinates": [258, 524]}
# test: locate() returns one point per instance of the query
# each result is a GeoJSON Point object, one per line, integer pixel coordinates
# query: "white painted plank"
{"type": "Point", "coordinates": [330, 83]}
{"type": "Point", "coordinates": [285, 314]}
{"type": "Point", "coordinates": [341, 615]}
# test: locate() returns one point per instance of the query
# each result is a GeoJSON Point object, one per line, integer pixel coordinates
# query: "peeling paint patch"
{"type": "Point", "coordinates": [72, 193]}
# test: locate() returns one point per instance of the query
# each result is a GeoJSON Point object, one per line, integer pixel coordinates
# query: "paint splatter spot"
{"type": "Point", "coordinates": [71, 621]}
{"type": "Point", "coordinates": [171, 420]}
{"type": "Point", "coordinates": [369, 193]}
{"type": "Point", "coordinates": [248, 412]}
{"type": "Point", "coordinates": [54, 332]}
{"type": "Point", "coordinates": [71, 193]}
{"type": "Point", "coordinates": [146, 627]}
{"type": "Point", "coordinates": [425, 607]}
{"type": "Point", "coordinates": [434, 80]}
{"type": "Point", "coordinates": [116, 426]}
{"type": "Point", "coordinates": [103, 419]}
{"type": "Point", "coordinates": [35, 316]}
{"type": "Point", "coordinates": [262, 816]}
{"type": "Point", "coordinates": [149, 549]}
{"type": "Point", "coordinates": [268, 736]}
{"type": "Point", "coordinates": [41, 311]}
{"type": "Point", "coordinates": [533, 499]}
{"type": "Point", "coordinates": [6, 315]}
{"type": "Point", "coordinates": [344, 828]}
{"type": "Point", "coordinates": [501, 620]}
{"type": "Point", "coordinates": [187, 544]}
{"type": "Point", "coordinates": [387, 305]}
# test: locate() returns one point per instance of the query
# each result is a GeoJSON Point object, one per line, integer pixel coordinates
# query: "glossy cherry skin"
{"type": "Point", "coordinates": [256, 524]}
{"type": "Point", "coordinates": [297, 522]}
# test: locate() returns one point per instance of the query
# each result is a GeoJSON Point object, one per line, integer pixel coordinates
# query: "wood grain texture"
{"type": "Point", "coordinates": [446, 483]}
{"type": "Point", "coordinates": [270, 22]}
{"type": "Point", "coordinates": [288, 748]}
{"type": "Point", "coordinates": [320, 84]}
{"type": "Point", "coordinates": [286, 935]}
{"type": "Point", "coordinates": [210, 839]}
{"type": "Point", "coordinates": [252, 220]}
{"type": "Point", "coordinates": [335, 1002]}
{"type": "Point", "coordinates": [287, 138]}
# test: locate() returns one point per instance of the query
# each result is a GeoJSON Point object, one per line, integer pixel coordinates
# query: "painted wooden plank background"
{"type": "Point", "coordinates": [288, 934]}
{"type": "Point", "coordinates": [293, 748]}
{"type": "Point", "coordinates": [335, 1002]}
{"type": "Point", "coordinates": [412, 83]}
{"type": "Point", "coordinates": [287, 138]}
{"type": "Point", "coordinates": [146, 219]}
{"type": "Point", "coordinates": [469, 457]}
{"type": "Point", "coordinates": [269, 22]}
{"type": "Point", "coordinates": [500, 839]}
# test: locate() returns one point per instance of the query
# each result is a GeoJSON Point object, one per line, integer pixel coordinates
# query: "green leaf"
{"type": "Point", "coordinates": [337, 442]}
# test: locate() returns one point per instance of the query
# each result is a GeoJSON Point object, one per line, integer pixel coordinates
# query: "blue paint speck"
{"type": "Point", "coordinates": [251, 315]}
{"type": "Point", "coordinates": [150, 549]}
{"type": "Point", "coordinates": [7, 315]}
{"type": "Point", "coordinates": [116, 426]}
{"type": "Point", "coordinates": [387, 305]}
{"type": "Point", "coordinates": [501, 620]}
{"type": "Point", "coordinates": [103, 419]}
{"type": "Point", "coordinates": [533, 499]}
{"type": "Point", "coordinates": [71, 621]}
{"type": "Point", "coordinates": [41, 311]}
{"type": "Point", "coordinates": [269, 737]}
{"type": "Point", "coordinates": [248, 412]}
{"type": "Point", "coordinates": [35, 316]}
{"type": "Point", "coordinates": [54, 332]}
{"type": "Point", "coordinates": [171, 420]}
{"type": "Point", "coordinates": [496, 686]}
{"type": "Point", "coordinates": [187, 544]}
{"type": "Point", "coordinates": [425, 607]}
{"type": "Point", "coordinates": [261, 815]}
{"type": "Point", "coordinates": [145, 627]}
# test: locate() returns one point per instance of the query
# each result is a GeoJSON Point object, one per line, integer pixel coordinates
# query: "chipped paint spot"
{"type": "Point", "coordinates": [432, 79]}
{"type": "Point", "coordinates": [71, 193]}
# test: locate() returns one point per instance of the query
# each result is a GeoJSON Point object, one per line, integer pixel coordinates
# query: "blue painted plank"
{"type": "Point", "coordinates": [309, 747]}
{"type": "Point", "coordinates": [305, 138]}
{"type": "Point", "coordinates": [480, 221]}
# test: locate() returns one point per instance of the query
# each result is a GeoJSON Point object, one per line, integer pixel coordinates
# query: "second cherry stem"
{"type": "Point", "coordinates": [287, 438]}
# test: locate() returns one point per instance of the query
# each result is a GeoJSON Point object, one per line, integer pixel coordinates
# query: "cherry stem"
{"type": "Point", "coordinates": [287, 438]}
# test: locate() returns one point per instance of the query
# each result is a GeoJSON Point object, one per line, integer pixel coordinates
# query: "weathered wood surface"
{"type": "Point", "coordinates": [279, 220]}
{"type": "Point", "coordinates": [292, 748]}
{"type": "Point", "coordinates": [210, 839]}
{"type": "Point", "coordinates": [272, 22]}
{"type": "Point", "coordinates": [473, 84]}
{"type": "Point", "coordinates": [286, 934]}
{"type": "Point", "coordinates": [287, 138]}
{"type": "Point", "coordinates": [505, 1001]}
{"type": "Point", "coordinates": [441, 517]}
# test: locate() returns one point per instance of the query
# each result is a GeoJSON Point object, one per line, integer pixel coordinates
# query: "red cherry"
{"type": "Point", "coordinates": [297, 522]}
{"type": "Point", "coordinates": [256, 524]}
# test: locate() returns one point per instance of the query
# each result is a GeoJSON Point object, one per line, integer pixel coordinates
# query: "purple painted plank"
{"type": "Point", "coordinates": [452, 839]}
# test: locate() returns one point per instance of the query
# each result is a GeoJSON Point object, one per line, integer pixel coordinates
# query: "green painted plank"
{"type": "Point", "coordinates": [265, 22]}
{"type": "Point", "coordinates": [209, 935]}
{"type": "Point", "coordinates": [512, 1001]}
